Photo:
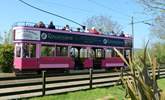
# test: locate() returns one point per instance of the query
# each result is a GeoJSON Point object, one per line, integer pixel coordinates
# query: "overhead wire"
{"type": "Point", "coordinates": [113, 10]}
{"type": "Point", "coordinates": [66, 6]}
{"type": "Point", "coordinates": [143, 21]}
{"type": "Point", "coordinates": [45, 11]}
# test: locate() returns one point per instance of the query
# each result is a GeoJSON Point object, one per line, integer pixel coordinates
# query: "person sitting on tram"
{"type": "Point", "coordinates": [78, 29]}
{"type": "Point", "coordinates": [51, 26]}
{"type": "Point", "coordinates": [113, 33]}
{"type": "Point", "coordinates": [67, 28]}
{"type": "Point", "coordinates": [94, 31]}
{"type": "Point", "coordinates": [40, 25]}
{"type": "Point", "coordinates": [122, 34]}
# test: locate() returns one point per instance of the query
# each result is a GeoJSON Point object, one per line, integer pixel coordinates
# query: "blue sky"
{"type": "Point", "coordinates": [79, 10]}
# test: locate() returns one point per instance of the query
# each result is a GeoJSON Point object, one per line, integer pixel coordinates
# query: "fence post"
{"type": "Point", "coordinates": [158, 75]}
{"type": "Point", "coordinates": [90, 77]}
{"type": "Point", "coordinates": [43, 82]}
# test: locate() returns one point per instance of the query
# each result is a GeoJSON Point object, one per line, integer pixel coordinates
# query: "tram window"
{"type": "Point", "coordinates": [74, 52]}
{"type": "Point", "coordinates": [83, 53]}
{"type": "Point", "coordinates": [91, 53]}
{"type": "Point", "coordinates": [114, 53]}
{"type": "Point", "coordinates": [18, 51]}
{"type": "Point", "coordinates": [128, 52]}
{"type": "Point", "coordinates": [108, 53]}
{"type": "Point", "coordinates": [99, 53]}
{"type": "Point", "coordinates": [47, 50]}
{"type": "Point", "coordinates": [61, 51]}
{"type": "Point", "coordinates": [32, 50]}
{"type": "Point", "coordinates": [29, 50]}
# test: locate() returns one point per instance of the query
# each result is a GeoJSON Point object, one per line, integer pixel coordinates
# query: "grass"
{"type": "Point", "coordinates": [161, 84]}
{"type": "Point", "coordinates": [116, 92]}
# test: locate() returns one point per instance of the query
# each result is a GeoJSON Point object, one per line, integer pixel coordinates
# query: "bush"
{"type": "Point", "coordinates": [6, 57]}
{"type": "Point", "coordinates": [139, 84]}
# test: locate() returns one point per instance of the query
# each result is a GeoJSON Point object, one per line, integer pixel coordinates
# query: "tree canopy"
{"type": "Point", "coordinates": [154, 5]}
{"type": "Point", "coordinates": [158, 8]}
{"type": "Point", "coordinates": [103, 23]}
{"type": "Point", "coordinates": [158, 29]}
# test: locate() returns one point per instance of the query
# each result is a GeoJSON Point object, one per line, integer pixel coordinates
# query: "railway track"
{"type": "Point", "coordinates": [24, 87]}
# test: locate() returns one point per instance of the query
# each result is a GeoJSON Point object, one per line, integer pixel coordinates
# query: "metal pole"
{"type": "Point", "coordinates": [43, 82]}
{"type": "Point", "coordinates": [132, 24]}
{"type": "Point", "coordinates": [90, 77]}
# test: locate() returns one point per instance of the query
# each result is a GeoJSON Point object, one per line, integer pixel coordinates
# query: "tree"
{"type": "Point", "coordinates": [158, 29]}
{"type": "Point", "coordinates": [103, 24]}
{"type": "Point", "coordinates": [154, 5]}
{"type": "Point", "coordinates": [1, 39]}
{"type": "Point", "coordinates": [6, 57]}
{"type": "Point", "coordinates": [158, 49]}
{"type": "Point", "coordinates": [8, 37]}
{"type": "Point", "coordinates": [158, 8]}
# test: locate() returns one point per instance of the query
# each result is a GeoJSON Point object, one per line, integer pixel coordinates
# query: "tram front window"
{"type": "Point", "coordinates": [18, 51]}
{"type": "Point", "coordinates": [29, 50]}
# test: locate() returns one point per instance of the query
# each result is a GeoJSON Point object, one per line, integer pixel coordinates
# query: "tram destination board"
{"type": "Point", "coordinates": [80, 39]}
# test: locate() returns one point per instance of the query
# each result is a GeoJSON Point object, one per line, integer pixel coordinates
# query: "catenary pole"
{"type": "Point", "coordinates": [132, 24]}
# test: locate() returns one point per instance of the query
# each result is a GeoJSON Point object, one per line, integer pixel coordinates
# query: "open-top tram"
{"type": "Point", "coordinates": [43, 48]}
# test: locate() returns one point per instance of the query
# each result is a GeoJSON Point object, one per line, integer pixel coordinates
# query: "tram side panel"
{"type": "Point", "coordinates": [112, 62]}
{"type": "Point", "coordinates": [26, 63]}
{"type": "Point", "coordinates": [56, 62]}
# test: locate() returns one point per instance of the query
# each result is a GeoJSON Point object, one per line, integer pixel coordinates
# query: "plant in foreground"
{"type": "Point", "coordinates": [139, 82]}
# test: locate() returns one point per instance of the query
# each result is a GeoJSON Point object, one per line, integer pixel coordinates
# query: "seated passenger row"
{"type": "Point", "coordinates": [67, 28]}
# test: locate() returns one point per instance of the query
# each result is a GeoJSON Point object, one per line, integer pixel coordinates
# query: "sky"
{"type": "Point", "coordinates": [120, 11]}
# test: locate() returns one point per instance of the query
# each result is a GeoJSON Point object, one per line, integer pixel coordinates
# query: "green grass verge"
{"type": "Point", "coordinates": [161, 84]}
{"type": "Point", "coordinates": [116, 92]}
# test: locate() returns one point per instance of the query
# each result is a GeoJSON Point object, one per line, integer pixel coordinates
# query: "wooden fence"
{"type": "Point", "coordinates": [25, 87]}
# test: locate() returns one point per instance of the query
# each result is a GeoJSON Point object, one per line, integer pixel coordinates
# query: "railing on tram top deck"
{"type": "Point", "coordinates": [72, 29]}
{"type": "Point", "coordinates": [32, 24]}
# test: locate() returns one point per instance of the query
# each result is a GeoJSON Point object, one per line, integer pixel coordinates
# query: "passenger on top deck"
{"type": "Point", "coordinates": [113, 33]}
{"type": "Point", "coordinates": [94, 31]}
{"type": "Point", "coordinates": [78, 29]}
{"type": "Point", "coordinates": [122, 34]}
{"type": "Point", "coordinates": [86, 30]}
{"type": "Point", "coordinates": [51, 25]}
{"type": "Point", "coordinates": [40, 25]}
{"type": "Point", "coordinates": [67, 27]}
{"type": "Point", "coordinates": [100, 31]}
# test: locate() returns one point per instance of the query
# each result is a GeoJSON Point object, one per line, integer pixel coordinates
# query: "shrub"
{"type": "Point", "coordinates": [6, 57]}
{"type": "Point", "coordinates": [139, 83]}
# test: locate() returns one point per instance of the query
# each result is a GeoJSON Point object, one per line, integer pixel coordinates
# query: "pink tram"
{"type": "Point", "coordinates": [43, 48]}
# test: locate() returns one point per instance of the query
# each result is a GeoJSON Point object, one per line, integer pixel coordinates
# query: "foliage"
{"type": "Point", "coordinates": [140, 85]}
{"type": "Point", "coordinates": [154, 5]}
{"type": "Point", "coordinates": [8, 37]}
{"type": "Point", "coordinates": [6, 57]}
{"type": "Point", "coordinates": [157, 10]}
{"type": "Point", "coordinates": [158, 29]}
{"type": "Point", "coordinates": [158, 49]}
{"type": "Point", "coordinates": [104, 23]}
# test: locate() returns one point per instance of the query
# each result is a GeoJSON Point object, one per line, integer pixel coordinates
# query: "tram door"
{"type": "Point", "coordinates": [75, 54]}
{"type": "Point", "coordinates": [99, 55]}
